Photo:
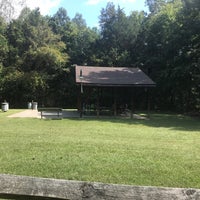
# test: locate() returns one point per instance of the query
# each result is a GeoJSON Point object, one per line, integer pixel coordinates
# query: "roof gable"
{"type": "Point", "coordinates": [112, 76]}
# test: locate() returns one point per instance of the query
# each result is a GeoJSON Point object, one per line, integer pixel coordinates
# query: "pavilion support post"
{"type": "Point", "coordinates": [81, 105]}
{"type": "Point", "coordinates": [132, 102]}
{"type": "Point", "coordinates": [98, 103]}
{"type": "Point", "coordinates": [115, 102]}
{"type": "Point", "coordinates": [148, 103]}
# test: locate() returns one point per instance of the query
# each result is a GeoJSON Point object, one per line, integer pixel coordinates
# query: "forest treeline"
{"type": "Point", "coordinates": [37, 52]}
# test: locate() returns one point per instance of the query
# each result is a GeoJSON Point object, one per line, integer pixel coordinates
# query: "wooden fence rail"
{"type": "Point", "coordinates": [24, 187]}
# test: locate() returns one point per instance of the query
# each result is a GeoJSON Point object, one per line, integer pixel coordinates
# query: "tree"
{"type": "Point", "coordinates": [34, 51]}
{"type": "Point", "coordinates": [3, 51]}
{"type": "Point", "coordinates": [59, 21]}
{"type": "Point", "coordinates": [79, 21]}
{"type": "Point", "coordinates": [79, 40]}
{"type": "Point", "coordinates": [118, 35]}
{"type": "Point", "coordinates": [189, 18]}
{"type": "Point", "coordinates": [168, 49]}
{"type": "Point", "coordinates": [30, 33]}
{"type": "Point", "coordinates": [112, 23]}
{"type": "Point", "coordinates": [3, 42]}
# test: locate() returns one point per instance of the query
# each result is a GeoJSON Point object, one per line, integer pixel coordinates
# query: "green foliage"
{"type": "Point", "coordinates": [3, 41]}
{"type": "Point", "coordinates": [164, 43]}
{"type": "Point", "coordinates": [11, 84]}
{"type": "Point", "coordinates": [118, 35]}
{"type": "Point", "coordinates": [44, 59]}
{"type": "Point", "coordinates": [34, 52]}
{"type": "Point", "coordinates": [79, 38]}
{"type": "Point", "coordinates": [59, 21]}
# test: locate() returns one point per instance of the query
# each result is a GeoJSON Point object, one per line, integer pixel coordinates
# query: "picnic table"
{"type": "Point", "coordinates": [50, 112]}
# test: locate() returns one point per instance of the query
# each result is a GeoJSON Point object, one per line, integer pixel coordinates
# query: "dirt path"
{"type": "Point", "coordinates": [35, 114]}
{"type": "Point", "coordinates": [27, 113]}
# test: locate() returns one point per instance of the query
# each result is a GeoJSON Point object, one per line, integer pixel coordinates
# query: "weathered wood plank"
{"type": "Point", "coordinates": [76, 190]}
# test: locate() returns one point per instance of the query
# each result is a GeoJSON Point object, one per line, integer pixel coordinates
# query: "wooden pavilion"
{"type": "Point", "coordinates": [112, 77]}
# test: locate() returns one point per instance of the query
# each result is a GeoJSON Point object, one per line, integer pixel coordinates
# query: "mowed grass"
{"type": "Point", "coordinates": [162, 151]}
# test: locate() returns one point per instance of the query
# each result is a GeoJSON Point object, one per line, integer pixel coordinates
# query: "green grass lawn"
{"type": "Point", "coordinates": [162, 151]}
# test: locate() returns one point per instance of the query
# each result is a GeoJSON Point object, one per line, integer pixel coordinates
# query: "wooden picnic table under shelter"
{"type": "Point", "coordinates": [110, 77]}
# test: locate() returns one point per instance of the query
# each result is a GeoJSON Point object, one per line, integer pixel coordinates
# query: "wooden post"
{"type": "Point", "coordinates": [81, 104]}
{"type": "Point", "coordinates": [81, 107]}
{"type": "Point", "coordinates": [148, 103]}
{"type": "Point", "coordinates": [132, 102]}
{"type": "Point", "coordinates": [98, 106]}
{"type": "Point", "coordinates": [115, 102]}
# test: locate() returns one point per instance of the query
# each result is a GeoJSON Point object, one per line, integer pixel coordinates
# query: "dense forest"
{"type": "Point", "coordinates": [37, 52]}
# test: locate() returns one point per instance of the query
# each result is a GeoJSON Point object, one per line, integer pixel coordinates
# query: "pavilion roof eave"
{"type": "Point", "coordinates": [116, 85]}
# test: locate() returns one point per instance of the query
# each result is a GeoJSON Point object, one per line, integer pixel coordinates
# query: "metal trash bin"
{"type": "Point", "coordinates": [34, 105]}
{"type": "Point", "coordinates": [29, 105]}
{"type": "Point", "coordinates": [4, 106]}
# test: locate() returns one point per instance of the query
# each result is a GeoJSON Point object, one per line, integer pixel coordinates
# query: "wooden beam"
{"type": "Point", "coordinates": [81, 104]}
{"type": "Point", "coordinates": [24, 187]}
{"type": "Point", "coordinates": [98, 103]}
{"type": "Point", "coordinates": [132, 102]}
{"type": "Point", "coordinates": [148, 103]}
{"type": "Point", "coordinates": [115, 101]}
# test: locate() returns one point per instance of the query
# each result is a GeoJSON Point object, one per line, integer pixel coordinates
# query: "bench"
{"type": "Point", "coordinates": [49, 112]}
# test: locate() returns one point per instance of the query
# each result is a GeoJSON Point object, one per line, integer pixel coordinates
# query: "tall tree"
{"type": "Point", "coordinates": [189, 18]}
{"type": "Point", "coordinates": [59, 21]}
{"type": "Point", "coordinates": [118, 34]}
{"type": "Point", "coordinates": [80, 40]}
{"type": "Point", "coordinates": [168, 48]}
{"type": "Point", "coordinates": [35, 52]}
{"type": "Point", "coordinates": [3, 41]}
{"type": "Point", "coordinates": [3, 51]}
{"type": "Point", "coordinates": [112, 23]}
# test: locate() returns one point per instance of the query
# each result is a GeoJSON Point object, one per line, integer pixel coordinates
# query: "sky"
{"type": "Point", "coordinates": [90, 9]}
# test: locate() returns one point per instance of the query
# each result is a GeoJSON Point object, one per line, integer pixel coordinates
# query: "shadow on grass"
{"type": "Point", "coordinates": [156, 120]}
{"type": "Point", "coordinates": [174, 121]}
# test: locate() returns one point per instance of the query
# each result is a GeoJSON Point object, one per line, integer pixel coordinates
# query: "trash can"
{"type": "Point", "coordinates": [29, 105]}
{"type": "Point", "coordinates": [4, 106]}
{"type": "Point", "coordinates": [34, 105]}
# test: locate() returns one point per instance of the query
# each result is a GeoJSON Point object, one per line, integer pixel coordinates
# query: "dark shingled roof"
{"type": "Point", "coordinates": [112, 76]}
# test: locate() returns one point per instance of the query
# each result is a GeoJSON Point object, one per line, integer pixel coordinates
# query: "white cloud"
{"type": "Point", "coordinates": [95, 2]}
{"type": "Point", "coordinates": [44, 5]}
